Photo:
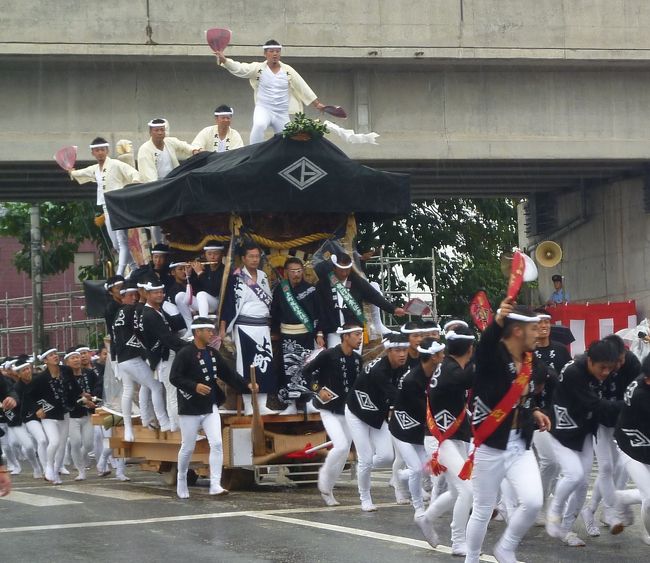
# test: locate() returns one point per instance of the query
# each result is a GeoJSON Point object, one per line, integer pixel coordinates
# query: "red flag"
{"type": "Point", "coordinates": [481, 310]}
{"type": "Point", "coordinates": [517, 269]}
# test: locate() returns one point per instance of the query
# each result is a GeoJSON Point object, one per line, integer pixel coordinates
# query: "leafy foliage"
{"type": "Point", "coordinates": [467, 235]}
{"type": "Point", "coordinates": [303, 124]}
{"type": "Point", "coordinates": [64, 226]}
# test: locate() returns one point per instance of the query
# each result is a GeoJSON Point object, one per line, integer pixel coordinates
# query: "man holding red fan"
{"type": "Point", "coordinates": [278, 89]}
{"type": "Point", "coordinates": [504, 416]}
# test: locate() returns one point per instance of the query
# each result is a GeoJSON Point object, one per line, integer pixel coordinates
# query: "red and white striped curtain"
{"type": "Point", "coordinates": [592, 321]}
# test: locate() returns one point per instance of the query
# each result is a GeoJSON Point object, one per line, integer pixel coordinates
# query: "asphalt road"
{"type": "Point", "coordinates": [142, 521]}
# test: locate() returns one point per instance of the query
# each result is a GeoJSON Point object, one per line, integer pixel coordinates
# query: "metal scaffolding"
{"type": "Point", "coordinates": [62, 326]}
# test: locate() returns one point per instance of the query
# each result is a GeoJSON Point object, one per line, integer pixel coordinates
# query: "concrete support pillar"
{"type": "Point", "coordinates": [37, 279]}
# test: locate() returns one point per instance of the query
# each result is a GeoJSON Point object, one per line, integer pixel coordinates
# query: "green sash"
{"type": "Point", "coordinates": [295, 306]}
{"type": "Point", "coordinates": [347, 297]}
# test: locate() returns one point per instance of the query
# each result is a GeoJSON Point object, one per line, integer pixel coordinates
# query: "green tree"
{"type": "Point", "coordinates": [64, 226]}
{"type": "Point", "coordinates": [468, 236]}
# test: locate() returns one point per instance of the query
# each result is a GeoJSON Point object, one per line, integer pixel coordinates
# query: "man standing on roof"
{"type": "Point", "coordinates": [278, 89]}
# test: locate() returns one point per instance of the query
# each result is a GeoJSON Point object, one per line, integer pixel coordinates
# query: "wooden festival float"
{"type": "Point", "coordinates": [293, 196]}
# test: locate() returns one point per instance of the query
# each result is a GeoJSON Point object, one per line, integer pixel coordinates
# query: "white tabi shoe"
{"type": "Point", "coordinates": [591, 527]}
{"type": "Point", "coordinates": [554, 526]}
{"type": "Point", "coordinates": [459, 549]}
{"type": "Point", "coordinates": [81, 476]}
{"type": "Point", "coordinates": [503, 555]}
{"type": "Point", "coordinates": [572, 540]}
{"type": "Point", "coordinates": [328, 498]}
{"type": "Point", "coordinates": [291, 409]}
{"type": "Point", "coordinates": [368, 506]}
{"type": "Point", "coordinates": [181, 489]}
{"type": "Point", "coordinates": [218, 491]}
{"type": "Point", "coordinates": [64, 470]}
{"type": "Point", "coordinates": [426, 527]}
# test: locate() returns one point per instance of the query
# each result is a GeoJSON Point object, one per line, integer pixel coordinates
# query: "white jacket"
{"type": "Point", "coordinates": [148, 156]}
{"type": "Point", "coordinates": [207, 139]}
{"type": "Point", "coordinates": [299, 91]}
{"type": "Point", "coordinates": [114, 176]}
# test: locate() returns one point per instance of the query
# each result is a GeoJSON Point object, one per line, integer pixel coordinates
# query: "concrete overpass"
{"type": "Point", "coordinates": [537, 99]}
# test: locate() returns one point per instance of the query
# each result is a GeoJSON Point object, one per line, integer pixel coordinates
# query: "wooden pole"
{"type": "Point", "coordinates": [257, 425]}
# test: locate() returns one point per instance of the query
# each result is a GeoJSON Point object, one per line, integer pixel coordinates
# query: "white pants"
{"type": "Point", "coordinates": [171, 397]}
{"type": "Point", "coordinates": [607, 456]}
{"type": "Point", "coordinates": [491, 466]}
{"type": "Point", "coordinates": [549, 468]}
{"type": "Point", "coordinates": [35, 428]}
{"type": "Point", "coordinates": [137, 371]}
{"type": "Point", "coordinates": [571, 488]}
{"type": "Point", "coordinates": [452, 455]}
{"type": "Point", "coordinates": [120, 240]}
{"type": "Point", "coordinates": [414, 456]}
{"type": "Point", "coordinates": [374, 449]}
{"type": "Point", "coordinates": [82, 440]}
{"type": "Point", "coordinates": [7, 450]}
{"type": "Point", "coordinates": [263, 118]}
{"type": "Point", "coordinates": [206, 303]}
{"type": "Point", "coordinates": [640, 474]}
{"type": "Point", "coordinates": [339, 433]}
{"type": "Point", "coordinates": [20, 438]}
{"type": "Point", "coordinates": [57, 436]}
{"type": "Point", "coordinates": [184, 308]}
{"type": "Point", "coordinates": [190, 425]}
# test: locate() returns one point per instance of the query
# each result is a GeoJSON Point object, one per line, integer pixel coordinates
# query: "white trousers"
{"type": "Point", "coordinates": [171, 397]}
{"type": "Point", "coordinates": [549, 468]}
{"type": "Point", "coordinates": [185, 308]}
{"type": "Point", "coordinates": [57, 437]}
{"type": "Point", "coordinates": [20, 438]}
{"type": "Point", "coordinates": [640, 474]}
{"type": "Point", "coordinates": [82, 439]}
{"type": "Point", "coordinates": [414, 456]}
{"type": "Point", "coordinates": [607, 455]}
{"type": "Point", "coordinates": [491, 466]}
{"type": "Point", "coordinates": [374, 449]}
{"type": "Point", "coordinates": [120, 240]}
{"type": "Point", "coordinates": [339, 433]}
{"type": "Point", "coordinates": [263, 118]}
{"type": "Point", "coordinates": [571, 488]}
{"type": "Point", "coordinates": [452, 455]}
{"type": "Point", "coordinates": [190, 425]}
{"type": "Point", "coordinates": [137, 371]}
{"type": "Point", "coordinates": [206, 303]}
{"type": "Point", "coordinates": [35, 428]}
{"type": "Point", "coordinates": [7, 450]}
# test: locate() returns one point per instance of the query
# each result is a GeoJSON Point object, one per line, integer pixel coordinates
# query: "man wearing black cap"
{"type": "Point", "coordinates": [219, 137]}
{"type": "Point", "coordinates": [342, 293]}
{"type": "Point", "coordinates": [559, 294]}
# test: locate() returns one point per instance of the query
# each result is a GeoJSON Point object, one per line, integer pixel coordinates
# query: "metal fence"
{"type": "Point", "coordinates": [65, 323]}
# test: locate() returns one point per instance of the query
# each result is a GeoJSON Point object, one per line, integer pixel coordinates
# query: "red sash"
{"type": "Point", "coordinates": [499, 413]}
{"type": "Point", "coordinates": [433, 464]}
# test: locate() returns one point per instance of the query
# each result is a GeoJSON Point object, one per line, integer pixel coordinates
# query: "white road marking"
{"type": "Point", "coordinates": [117, 494]}
{"type": "Point", "coordinates": [36, 500]}
{"type": "Point", "coordinates": [187, 517]}
{"type": "Point", "coordinates": [363, 533]}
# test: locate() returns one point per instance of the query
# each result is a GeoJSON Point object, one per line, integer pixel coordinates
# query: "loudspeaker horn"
{"type": "Point", "coordinates": [548, 254]}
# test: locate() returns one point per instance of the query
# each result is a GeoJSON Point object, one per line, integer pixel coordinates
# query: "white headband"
{"type": "Point", "coordinates": [47, 353]}
{"type": "Point", "coordinates": [160, 252]}
{"type": "Point", "coordinates": [405, 330]}
{"type": "Point", "coordinates": [265, 47]}
{"type": "Point", "coordinates": [342, 330]}
{"type": "Point", "coordinates": [454, 322]}
{"type": "Point", "coordinates": [230, 113]}
{"type": "Point", "coordinates": [523, 318]}
{"type": "Point", "coordinates": [83, 349]}
{"type": "Point", "coordinates": [150, 287]}
{"type": "Point", "coordinates": [127, 290]}
{"type": "Point", "coordinates": [99, 146]}
{"type": "Point", "coordinates": [213, 248]}
{"type": "Point", "coordinates": [21, 366]}
{"type": "Point", "coordinates": [433, 349]}
{"type": "Point", "coordinates": [201, 325]}
{"type": "Point", "coordinates": [71, 354]}
{"type": "Point", "coordinates": [388, 344]}
{"type": "Point", "coordinates": [335, 261]}
{"type": "Point", "coordinates": [110, 286]}
{"type": "Point", "coordinates": [175, 264]}
{"type": "Point", "coordinates": [152, 124]}
{"type": "Point", "coordinates": [205, 317]}
{"type": "Point", "coordinates": [451, 335]}
{"type": "Point", "coordinates": [544, 316]}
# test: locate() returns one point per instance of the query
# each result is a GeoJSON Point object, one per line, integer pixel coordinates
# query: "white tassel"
{"type": "Point", "coordinates": [350, 136]}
